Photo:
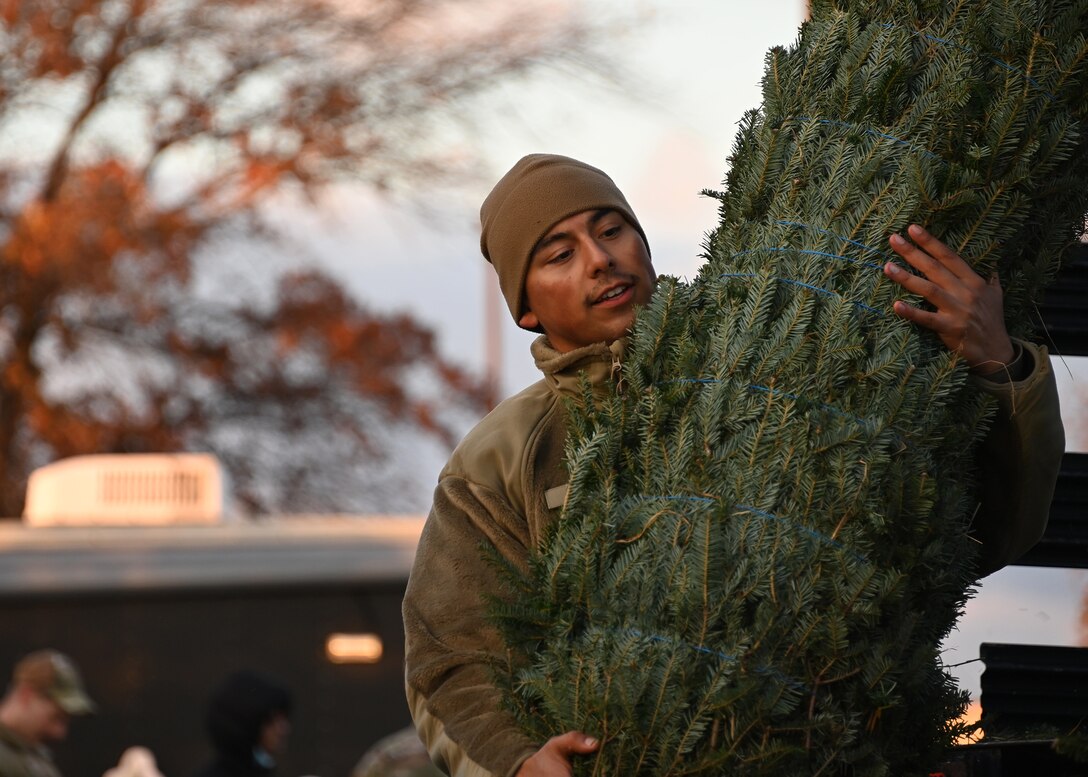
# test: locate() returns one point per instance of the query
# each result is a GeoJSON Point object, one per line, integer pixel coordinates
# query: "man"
{"type": "Point", "coordinates": [45, 692]}
{"type": "Point", "coordinates": [574, 264]}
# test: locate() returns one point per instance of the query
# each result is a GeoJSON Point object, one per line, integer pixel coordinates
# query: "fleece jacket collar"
{"type": "Point", "coordinates": [599, 363]}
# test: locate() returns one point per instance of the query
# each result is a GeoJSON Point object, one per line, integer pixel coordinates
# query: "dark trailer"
{"type": "Point", "coordinates": [157, 616]}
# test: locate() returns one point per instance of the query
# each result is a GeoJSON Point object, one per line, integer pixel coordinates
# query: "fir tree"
{"type": "Point", "coordinates": [765, 536]}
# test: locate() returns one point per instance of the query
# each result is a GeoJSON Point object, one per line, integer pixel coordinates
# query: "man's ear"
{"type": "Point", "coordinates": [529, 321]}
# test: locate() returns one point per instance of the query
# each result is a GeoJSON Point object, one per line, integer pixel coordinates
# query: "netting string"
{"type": "Point", "coordinates": [818, 536]}
{"type": "Point", "coordinates": [727, 657]}
{"type": "Point", "coordinates": [867, 423]}
{"type": "Point", "coordinates": [809, 286]}
{"type": "Point", "coordinates": [969, 50]}
{"type": "Point", "coordinates": [807, 251]}
{"type": "Point", "coordinates": [765, 515]}
{"type": "Point", "coordinates": [843, 238]}
{"type": "Point", "coordinates": [860, 128]}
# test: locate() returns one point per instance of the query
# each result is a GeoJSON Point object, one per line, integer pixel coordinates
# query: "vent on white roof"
{"type": "Point", "coordinates": [126, 489]}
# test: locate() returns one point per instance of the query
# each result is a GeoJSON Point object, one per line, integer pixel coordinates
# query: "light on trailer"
{"type": "Point", "coordinates": [354, 648]}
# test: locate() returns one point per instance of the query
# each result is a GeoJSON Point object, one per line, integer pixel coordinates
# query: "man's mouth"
{"type": "Point", "coordinates": [612, 293]}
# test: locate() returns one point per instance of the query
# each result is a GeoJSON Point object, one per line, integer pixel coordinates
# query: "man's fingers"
{"type": "Point", "coordinates": [922, 261]}
{"type": "Point", "coordinates": [554, 758]}
{"type": "Point", "coordinates": [915, 284]}
{"type": "Point", "coordinates": [573, 742]}
{"type": "Point", "coordinates": [926, 318]}
{"type": "Point", "coordinates": [948, 259]}
{"type": "Point", "coordinates": [968, 311]}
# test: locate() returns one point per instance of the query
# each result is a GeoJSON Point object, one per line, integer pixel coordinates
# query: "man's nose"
{"type": "Point", "coordinates": [600, 259]}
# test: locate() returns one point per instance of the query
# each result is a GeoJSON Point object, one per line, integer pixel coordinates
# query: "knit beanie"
{"type": "Point", "coordinates": [537, 193]}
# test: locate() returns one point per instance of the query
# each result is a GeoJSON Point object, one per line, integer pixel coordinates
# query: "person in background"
{"type": "Point", "coordinates": [248, 720]}
{"type": "Point", "coordinates": [45, 692]}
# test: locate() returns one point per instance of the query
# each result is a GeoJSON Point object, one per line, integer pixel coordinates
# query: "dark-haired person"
{"type": "Point", "coordinates": [248, 720]}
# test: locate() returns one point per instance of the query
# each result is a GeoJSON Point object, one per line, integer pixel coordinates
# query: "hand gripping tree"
{"type": "Point", "coordinates": [765, 537]}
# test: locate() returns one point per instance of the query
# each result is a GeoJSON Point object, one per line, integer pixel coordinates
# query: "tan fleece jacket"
{"type": "Point", "coordinates": [506, 482]}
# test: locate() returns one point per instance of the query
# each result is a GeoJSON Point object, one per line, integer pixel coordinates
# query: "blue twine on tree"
{"type": "Point", "coordinates": [866, 131]}
{"type": "Point", "coordinates": [844, 238]}
{"type": "Point", "coordinates": [809, 286]}
{"type": "Point", "coordinates": [761, 670]}
{"type": "Point", "coordinates": [867, 423]}
{"type": "Point", "coordinates": [808, 251]}
{"type": "Point", "coordinates": [969, 50]}
{"type": "Point", "coordinates": [818, 536]}
{"type": "Point", "coordinates": [679, 497]}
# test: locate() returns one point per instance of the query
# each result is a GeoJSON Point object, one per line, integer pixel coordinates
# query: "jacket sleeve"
{"type": "Point", "coordinates": [450, 646]}
{"type": "Point", "coordinates": [1020, 458]}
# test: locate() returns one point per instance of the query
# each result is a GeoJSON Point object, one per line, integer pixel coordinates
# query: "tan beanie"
{"type": "Point", "coordinates": [539, 191]}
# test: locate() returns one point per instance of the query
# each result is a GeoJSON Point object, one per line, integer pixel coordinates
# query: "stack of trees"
{"type": "Point", "coordinates": [765, 537]}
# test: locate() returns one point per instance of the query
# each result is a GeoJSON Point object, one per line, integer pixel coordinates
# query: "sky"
{"type": "Point", "coordinates": [696, 65]}
{"type": "Point", "coordinates": [694, 68]}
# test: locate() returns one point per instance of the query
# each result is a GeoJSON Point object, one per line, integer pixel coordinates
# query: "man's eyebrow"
{"type": "Point", "coordinates": [544, 242]}
{"type": "Point", "coordinates": [600, 214]}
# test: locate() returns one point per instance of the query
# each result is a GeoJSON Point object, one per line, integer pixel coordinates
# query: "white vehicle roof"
{"type": "Point", "coordinates": [286, 550]}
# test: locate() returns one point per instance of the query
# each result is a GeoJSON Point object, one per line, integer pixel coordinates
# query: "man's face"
{"type": "Point", "coordinates": [585, 278]}
{"type": "Point", "coordinates": [43, 719]}
{"type": "Point", "coordinates": [273, 736]}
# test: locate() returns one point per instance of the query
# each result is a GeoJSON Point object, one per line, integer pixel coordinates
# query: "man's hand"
{"type": "Point", "coordinates": [553, 759]}
{"type": "Point", "coordinates": [969, 317]}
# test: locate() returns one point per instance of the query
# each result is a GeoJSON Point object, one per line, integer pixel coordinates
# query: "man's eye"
{"type": "Point", "coordinates": [611, 231]}
{"type": "Point", "coordinates": [562, 256]}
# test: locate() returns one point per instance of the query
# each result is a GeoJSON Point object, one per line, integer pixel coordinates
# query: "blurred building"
{"type": "Point", "coordinates": [157, 614]}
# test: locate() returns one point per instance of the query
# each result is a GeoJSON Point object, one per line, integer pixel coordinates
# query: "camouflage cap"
{"type": "Point", "coordinates": [53, 674]}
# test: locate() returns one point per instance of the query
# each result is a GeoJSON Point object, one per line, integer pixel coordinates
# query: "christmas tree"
{"type": "Point", "coordinates": [765, 536]}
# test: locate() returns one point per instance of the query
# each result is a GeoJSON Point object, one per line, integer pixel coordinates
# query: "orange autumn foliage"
{"type": "Point", "coordinates": [139, 143]}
